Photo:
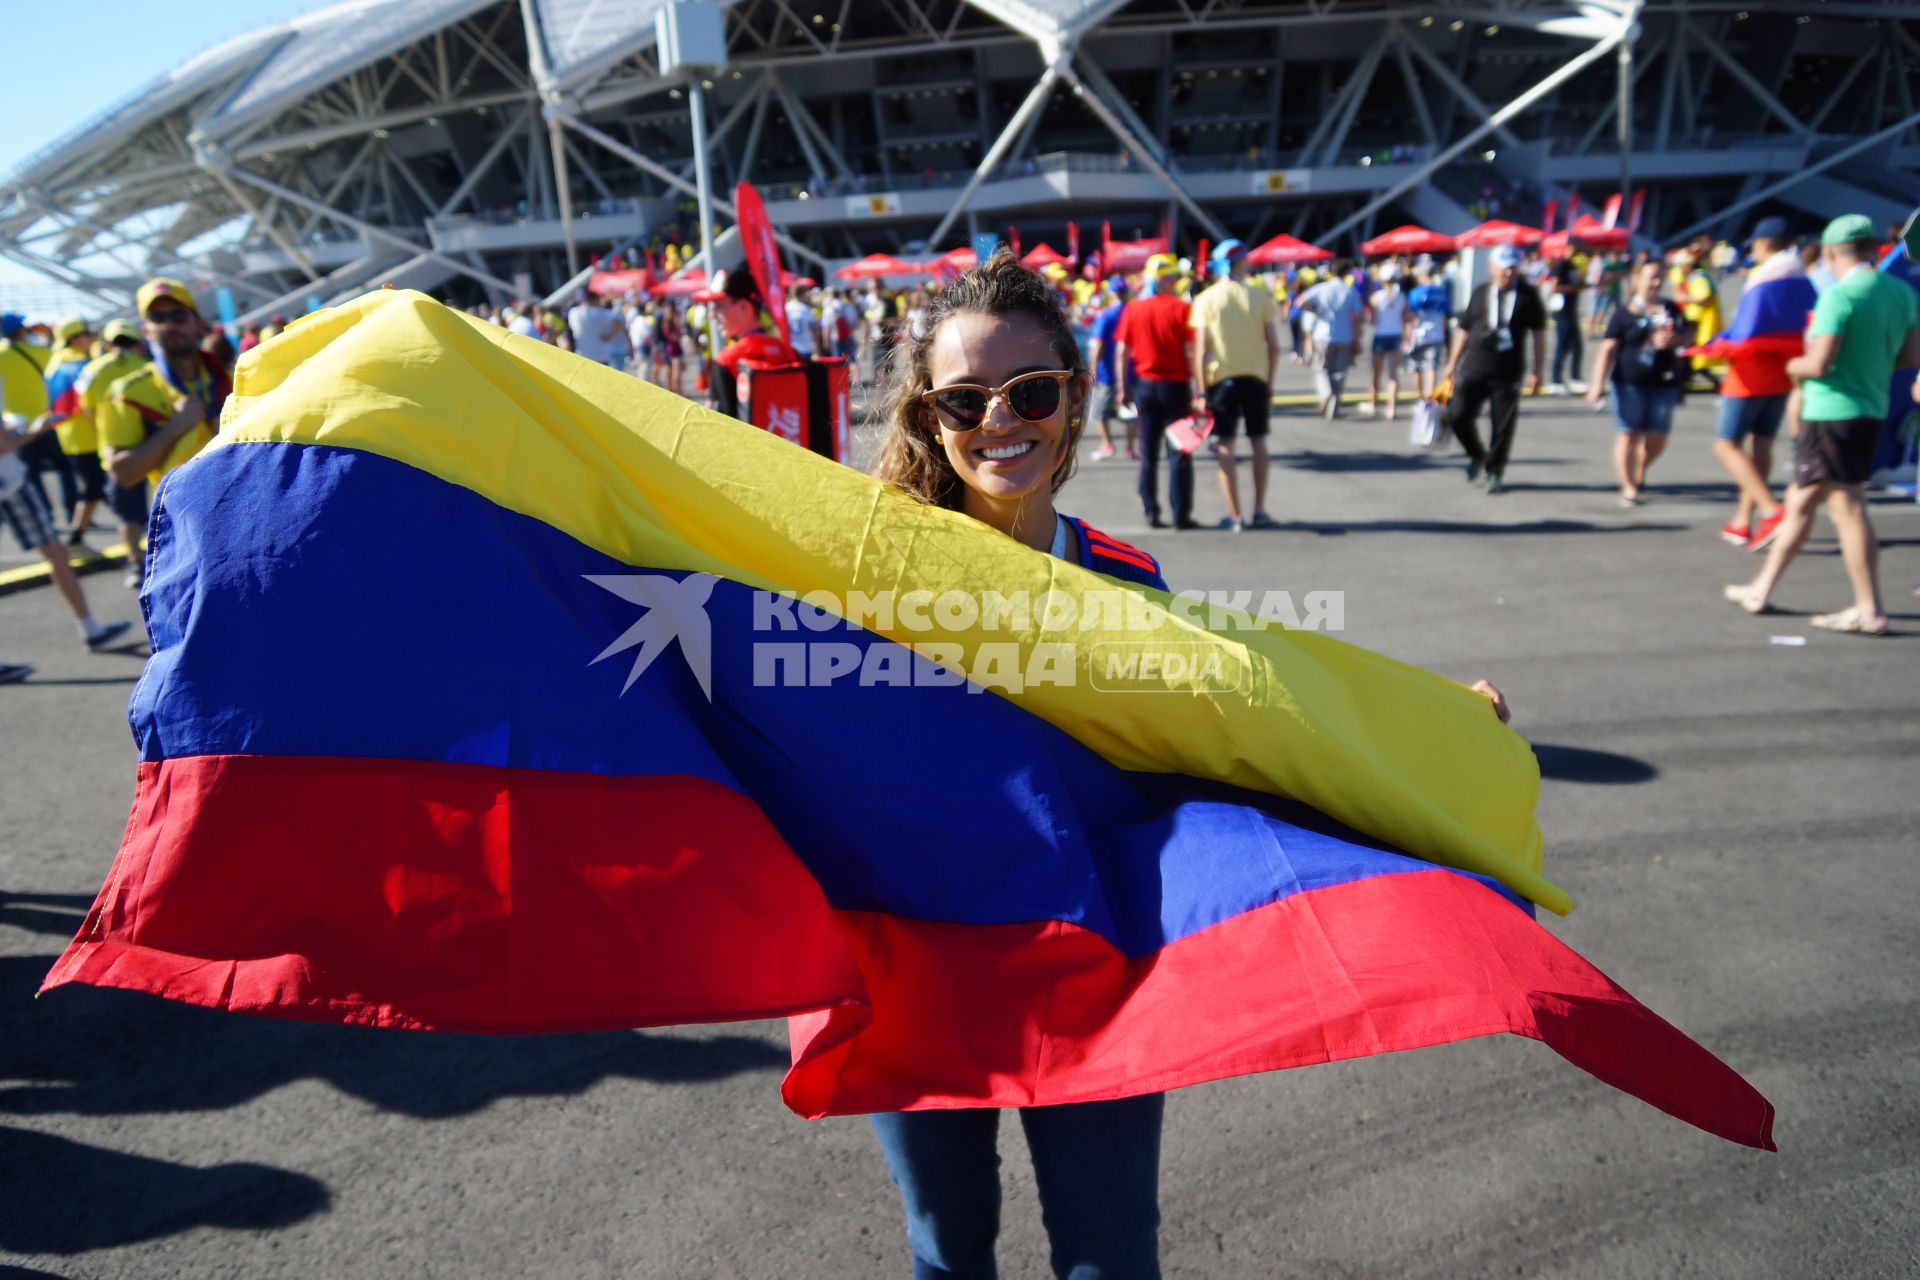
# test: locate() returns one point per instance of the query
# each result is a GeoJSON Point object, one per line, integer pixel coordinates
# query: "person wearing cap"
{"type": "Point", "coordinates": [1236, 354]}
{"type": "Point", "coordinates": [168, 409]}
{"type": "Point", "coordinates": [1503, 322]}
{"type": "Point", "coordinates": [125, 353]}
{"type": "Point", "coordinates": [1864, 327]}
{"type": "Point", "coordinates": [1333, 317]}
{"type": "Point", "coordinates": [1151, 371]}
{"type": "Point", "coordinates": [83, 483]}
{"type": "Point", "coordinates": [1700, 299]}
{"type": "Point", "coordinates": [1754, 393]}
{"type": "Point", "coordinates": [1101, 401]}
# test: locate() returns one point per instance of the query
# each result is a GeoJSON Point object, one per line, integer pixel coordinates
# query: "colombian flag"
{"type": "Point", "coordinates": [468, 709]}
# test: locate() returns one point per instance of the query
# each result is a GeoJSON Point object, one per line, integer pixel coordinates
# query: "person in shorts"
{"type": "Point", "coordinates": [25, 511]}
{"type": "Point", "coordinates": [1755, 391]}
{"type": "Point", "coordinates": [1641, 352]}
{"type": "Point", "coordinates": [1428, 309]}
{"type": "Point", "coordinates": [1389, 308]}
{"type": "Point", "coordinates": [1866, 325]}
{"type": "Point", "coordinates": [1236, 351]}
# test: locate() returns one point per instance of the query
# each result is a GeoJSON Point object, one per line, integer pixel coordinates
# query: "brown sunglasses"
{"type": "Point", "coordinates": [1033, 397]}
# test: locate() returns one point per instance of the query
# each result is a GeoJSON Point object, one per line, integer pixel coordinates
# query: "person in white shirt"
{"type": "Point", "coordinates": [1389, 307]}
{"type": "Point", "coordinates": [520, 321]}
{"type": "Point", "coordinates": [593, 329]}
{"type": "Point", "coordinates": [803, 328]}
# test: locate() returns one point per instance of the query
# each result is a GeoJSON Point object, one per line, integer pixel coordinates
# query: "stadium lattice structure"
{"type": "Point", "coordinates": [492, 147]}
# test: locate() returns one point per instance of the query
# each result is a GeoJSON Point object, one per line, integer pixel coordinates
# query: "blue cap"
{"type": "Point", "coordinates": [1229, 252]}
{"type": "Point", "coordinates": [1774, 229]}
{"type": "Point", "coordinates": [1506, 255]}
{"type": "Point", "coordinates": [11, 322]}
{"type": "Point", "coordinates": [1119, 286]}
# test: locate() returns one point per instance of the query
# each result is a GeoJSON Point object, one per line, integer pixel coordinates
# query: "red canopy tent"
{"type": "Point", "coordinates": [1044, 254]}
{"type": "Point", "coordinates": [1498, 232]}
{"type": "Point", "coordinates": [605, 284]}
{"type": "Point", "coordinates": [684, 285]}
{"type": "Point", "coordinates": [1589, 230]}
{"type": "Point", "coordinates": [878, 264]}
{"type": "Point", "coordinates": [1409, 239]}
{"type": "Point", "coordinates": [1284, 248]}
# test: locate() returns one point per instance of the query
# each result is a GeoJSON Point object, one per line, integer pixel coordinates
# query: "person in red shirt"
{"type": "Point", "coordinates": [1151, 371]}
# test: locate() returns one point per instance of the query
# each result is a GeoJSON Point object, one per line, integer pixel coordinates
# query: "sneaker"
{"type": "Point", "coordinates": [1104, 452]}
{"type": "Point", "coordinates": [1366, 411]}
{"type": "Point", "coordinates": [1576, 386]}
{"type": "Point", "coordinates": [1473, 471]}
{"type": "Point", "coordinates": [108, 634]}
{"type": "Point", "coordinates": [1261, 520]}
{"type": "Point", "coordinates": [1558, 389]}
{"type": "Point", "coordinates": [1155, 522]}
{"type": "Point", "coordinates": [132, 580]}
{"type": "Point", "coordinates": [1493, 482]}
{"type": "Point", "coordinates": [1233, 524]}
{"type": "Point", "coordinates": [1186, 524]}
{"type": "Point", "coordinates": [1736, 534]}
{"type": "Point", "coordinates": [1768, 529]}
{"type": "Point", "coordinates": [14, 672]}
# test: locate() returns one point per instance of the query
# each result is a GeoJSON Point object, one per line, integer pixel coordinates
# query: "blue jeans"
{"type": "Point", "coordinates": [1743, 416]}
{"type": "Point", "coordinates": [1637, 409]}
{"type": "Point", "coordinates": [1161, 403]}
{"type": "Point", "coordinates": [1097, 1163]}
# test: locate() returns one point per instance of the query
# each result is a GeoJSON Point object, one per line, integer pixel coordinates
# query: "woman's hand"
{"type": "Point", "coordinates": [1498, 699]}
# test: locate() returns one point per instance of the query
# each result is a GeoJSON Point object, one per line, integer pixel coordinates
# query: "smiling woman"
{"type": "Point", "coordinates": [985, 412]}
{"type": "Point", "coordinates": [984, 418]}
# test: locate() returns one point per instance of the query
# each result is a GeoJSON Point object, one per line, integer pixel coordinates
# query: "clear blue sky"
{"type": "Point", "coordinates": [91, 56]}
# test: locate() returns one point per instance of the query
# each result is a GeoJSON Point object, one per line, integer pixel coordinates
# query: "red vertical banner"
{"type": "Point", "coordinates": [1639, 203]}
{"type": "Point", "coordinates": [1546, 219]}
{"type": "Point", "coordinates": [1013, 240]}
{"type": "Point", "coordinates": [1106, 246]}
{"type": "Point", "coordinates": [763, 255]}
{"type": "Point", "coordinates": [1073, 243]}
{"type": "Point", "coordinates": [1200, 261]}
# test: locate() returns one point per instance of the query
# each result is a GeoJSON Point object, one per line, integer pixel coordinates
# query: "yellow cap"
{"type": "Point", "coordinates": [67, 330]}
{"type": "Point", "coordinates": [1161, 264]}
{"type": "Point", "coordinates": [164, 287]}
{"type": "Point", "coordinates": [120, 329]}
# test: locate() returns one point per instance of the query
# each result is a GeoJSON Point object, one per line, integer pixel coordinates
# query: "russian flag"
{"type": "Point", "coordinates": [1769, 328]}
{"type": "Point", "coordinates": [495, 691]}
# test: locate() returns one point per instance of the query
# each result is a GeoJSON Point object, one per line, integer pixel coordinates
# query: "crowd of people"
{"type": "Point", "coordinates": [1183, 356]}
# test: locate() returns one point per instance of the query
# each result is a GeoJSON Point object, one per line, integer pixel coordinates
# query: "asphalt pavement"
{"type": "Point", "coordinates": [1729, 799]}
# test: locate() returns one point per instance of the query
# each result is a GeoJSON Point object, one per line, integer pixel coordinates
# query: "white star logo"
{"type": "Point", "coordinates": [676, 610]}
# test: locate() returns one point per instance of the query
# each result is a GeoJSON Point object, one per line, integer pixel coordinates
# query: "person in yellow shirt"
{"type": "Point", "coordinates": [1699, 302]}
{"type": "Point", "coordinates": [122, 353]}
{"type": "Point", "coordinates": [1236, 353]}
{"type": "Point", "coordinates": [167, 410]}
{"type": "Point", "coordinates": [82, 483]}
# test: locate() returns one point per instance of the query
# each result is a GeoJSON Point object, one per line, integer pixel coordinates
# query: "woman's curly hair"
{"type": "Point", "coordinates": [912, 457]}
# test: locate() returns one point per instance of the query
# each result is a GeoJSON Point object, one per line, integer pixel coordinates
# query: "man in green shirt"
{"type": "Point", "coordinates": [1864, 327]}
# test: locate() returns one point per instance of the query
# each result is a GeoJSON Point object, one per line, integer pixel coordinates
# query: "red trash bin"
{"type": "Point", "coordinates": [808, 402]}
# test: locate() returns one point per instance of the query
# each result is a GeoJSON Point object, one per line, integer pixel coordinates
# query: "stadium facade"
{"type": "Point", "coordinates": [492, 147]}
